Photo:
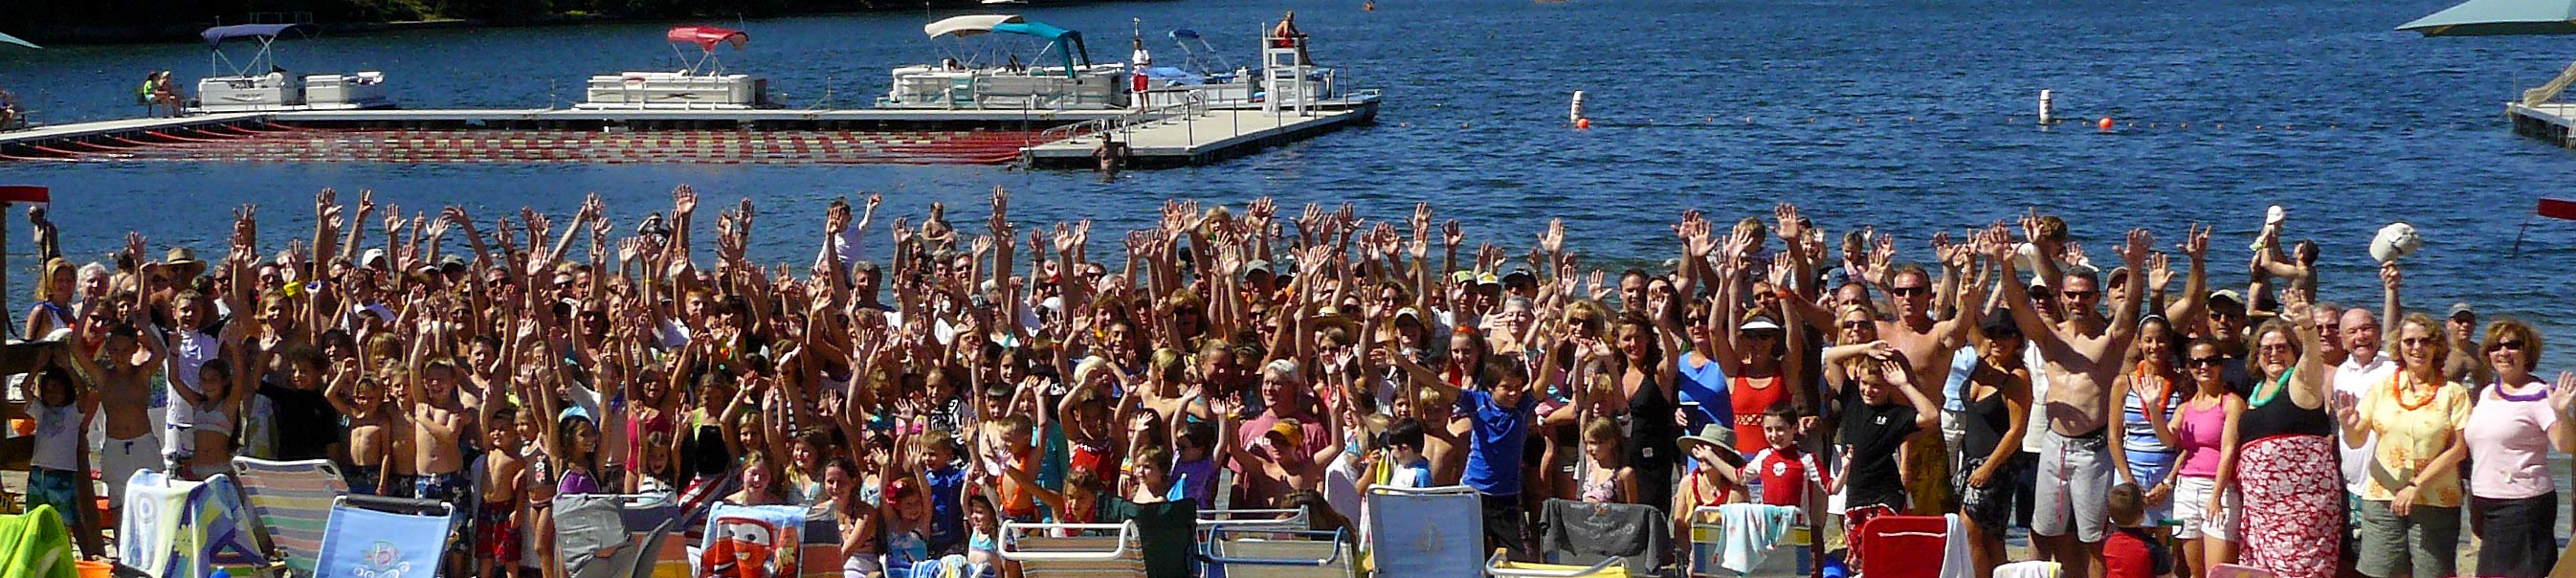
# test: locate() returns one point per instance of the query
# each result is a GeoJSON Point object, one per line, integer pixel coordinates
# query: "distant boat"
{"type": "Point", "coordinates": [994, 2]}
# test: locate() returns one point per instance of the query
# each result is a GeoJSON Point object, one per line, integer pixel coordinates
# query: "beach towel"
{"type": "Point", "coordinates": [1429, 533]}
{"type": "Point", "coordinates": [36, 545]}
{"type": "Point", "coordinates": [364, 543]}
{"type": "Point", "coordinates": [177, 528]}
{"type": "Point", "coordinates": [1752, 531]}
{"type": "Point", "coordinates": [1955, 562]}
{"type": "Point", "coordinates": [293, 502]}
{"type": "Point", "coordinates": [751, 542]}
{"type": "Point", "coordinates": [1581, 533]}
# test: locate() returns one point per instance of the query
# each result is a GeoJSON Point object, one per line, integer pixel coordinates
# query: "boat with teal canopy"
{"type": "Point", "coordinates": [984, 69]}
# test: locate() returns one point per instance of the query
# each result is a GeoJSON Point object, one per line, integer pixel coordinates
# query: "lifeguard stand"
{"type": "Point", "coordinates": [1284, 71]}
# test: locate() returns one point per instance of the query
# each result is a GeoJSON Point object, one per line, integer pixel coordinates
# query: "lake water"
{"type": "Point", "coordinates": [1912, 115]}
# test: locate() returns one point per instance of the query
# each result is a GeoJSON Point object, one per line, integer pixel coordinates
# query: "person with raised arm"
{"type": "Point", "coordinates": [2082, 355]}
{"type": "Point", "coordinates": [2285, 473]}
{"type": "Point", "coordinates": [2410, 511]}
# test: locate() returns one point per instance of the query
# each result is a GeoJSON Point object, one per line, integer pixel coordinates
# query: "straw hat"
{"type": "Point", "coordinates": [1716, 435]}
{"type": "Point", "coordinates": [2395, 241]}
{"type": "Point", "coordinates": [183, 262]}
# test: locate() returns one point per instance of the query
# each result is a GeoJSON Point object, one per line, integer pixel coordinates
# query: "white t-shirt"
{"type": "Point", "coordinates": [193, 349]}
{"type": "Point", "coordinates": [2356, 379]}
{"type": "Point", "coordinates": [1142, 58]}
{"type": "Point", "coordinates": [57, 436]}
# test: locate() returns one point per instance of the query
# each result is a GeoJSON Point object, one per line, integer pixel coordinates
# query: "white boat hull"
{"type": "Point", "coordinates": [1095, 87]}
{"type": "Point", "coordinates": [675, 91]}
{"type": "Point", "coordinates": [273, 92]}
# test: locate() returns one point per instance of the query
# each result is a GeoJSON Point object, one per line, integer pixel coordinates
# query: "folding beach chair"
{"type": "Point", "coordinates": [1280, 554]}
{"type": "Point", "coordinates": [1500, 566]}
{"type": "Point", "coordinates": [180, 529]}
{"type": "Point", "coordinates": [1581, 533]}
{"type": "Point", "coordinates": [1710, 539]}
{"type": "Point", "coordinates": [752, 542]}
{"type": "Point", "coordinates": [1094, 550]}
{"type": "Point", "coordinates": [1904, 546]}
{"type": "Point", "coordinates": [36, 544]}
{"type": "Point", "coordinates": [381, 536]}
{"type": "Point", "coordinates": [1426, 532]}
{"type": "Point", "coordinates": [615, 536]}
{"type": "Point", "coordinates": [293, 502]}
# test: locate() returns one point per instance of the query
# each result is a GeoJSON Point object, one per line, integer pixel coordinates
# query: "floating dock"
{"type": "Point", "coordinates": [2549, 121]}
{"type": "Point", "coordinates": [1164, 137]}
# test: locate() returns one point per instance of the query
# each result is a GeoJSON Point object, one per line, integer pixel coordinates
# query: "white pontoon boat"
{"type": "Point", "coordinates": [251, 87]}
{"type": "Point", "coordinates": [701, 85]}
{"type": "Point", "coordinates": [1207, 78]}
{"type": "Point", "coordinates": [1072, 83]}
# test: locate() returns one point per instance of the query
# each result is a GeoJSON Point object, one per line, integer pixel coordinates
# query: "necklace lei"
{"type": "Point", "coordinates": [2138, 377]}
{"type": "Point", "coordinates": [2545, 388]}
{"type": "Point", "coordinates": [2397, 389]}
{"type": "Point", "coordinates": [2266, 392]}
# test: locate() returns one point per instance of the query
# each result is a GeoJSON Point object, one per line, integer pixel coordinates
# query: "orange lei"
{"type": "Point", "coordinates": [2397, 389]}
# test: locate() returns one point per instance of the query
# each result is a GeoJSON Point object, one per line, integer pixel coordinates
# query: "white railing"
{"type": "Point", "coordinates": [1190, 107]}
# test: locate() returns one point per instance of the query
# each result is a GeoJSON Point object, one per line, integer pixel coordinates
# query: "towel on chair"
{"type": "Point", "coordinates": [2028, 569]}
{"type": "Point", "coordinates": [36, 545]}
{"type": "Point", "coordinates": [1584, 533]}
{"type": "Point", "coordinates": [1955, 561]}
{"type": "Point", "coordinates": [1752, 530]}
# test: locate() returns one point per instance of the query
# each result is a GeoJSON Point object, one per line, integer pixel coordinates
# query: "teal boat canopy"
{"type": "Point", "coordinates": [2499, 18]}
{"type": "Point", "coordinates": [1067, 41]}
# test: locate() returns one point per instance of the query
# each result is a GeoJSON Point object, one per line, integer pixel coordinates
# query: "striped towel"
{"type": "Point", "coordinates": [293, 503]}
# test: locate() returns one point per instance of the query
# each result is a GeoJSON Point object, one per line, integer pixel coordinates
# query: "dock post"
{"type": "Point", "coordinates": [2047, 111]}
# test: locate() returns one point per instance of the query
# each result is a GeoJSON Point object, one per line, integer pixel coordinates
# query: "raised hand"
{"type": "Point", "coordinates": [2159, 272]}
{"type": "Point", "coordinates": [2563, 394]}
{"type": "Point", "coordinates": [684, 201]}
{"type": "Point", "coordinates": [1788, 223]}
{"type": "Point", "coordinates": [2196, 242]}
{"type": "Point", "coordinates": [2134, 252]}
{"type": "Point", "coordinates": [134, 246]}
{"type": "Point", "coordinates": [1452, 235]}
{"type": "Point", "coordinates": [1553, 240]}
{"type": "Point", "coordinates": [2389, 277]}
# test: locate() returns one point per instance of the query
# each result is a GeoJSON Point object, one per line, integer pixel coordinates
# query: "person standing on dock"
{"type": "Point", "coordinates": [1137, 62]}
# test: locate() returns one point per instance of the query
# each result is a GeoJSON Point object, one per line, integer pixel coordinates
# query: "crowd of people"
{"type": "Point", "coordinates": [922, 393]}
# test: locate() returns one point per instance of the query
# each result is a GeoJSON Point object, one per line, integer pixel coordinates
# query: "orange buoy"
{"type": "Point", "coordinates": [2105, 125]}
{"type": "Point", "coordinates": [1583, 123]}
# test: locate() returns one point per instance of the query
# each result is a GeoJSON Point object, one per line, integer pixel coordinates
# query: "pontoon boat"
{"type": "Point", "coordinates": [1206, 78]}
{"type": "Point", "coordinates": [248, 87]}
{"type": "Point", "coordinates": [702, 84]}
{"type": "Point", "coordinates": [1073, 83]}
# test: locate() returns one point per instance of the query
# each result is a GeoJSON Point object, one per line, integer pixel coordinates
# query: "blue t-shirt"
{"type": "Point", "coordinates": [947, 506]}
{"type": "Point", "coordinates": [1500, 433]}
{"type": "Point", "coordinates": [1704, 392]}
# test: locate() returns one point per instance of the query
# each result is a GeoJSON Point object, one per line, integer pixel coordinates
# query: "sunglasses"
{"type": "Point", "coordinates": [1856, 324]}
{"type": "Point", "coordinates": [2515, 345]}
{"type": "Point", "coordinates": [1908, 291]}
{"type": "Point", "coordinates": [2078, 294]}
{"type": "Point", "coordinates": [2414, 341]}
{"type": "Point", "coordinates": [1762, 335]}
{"type": "Point", "coordinates": [2206, 362]}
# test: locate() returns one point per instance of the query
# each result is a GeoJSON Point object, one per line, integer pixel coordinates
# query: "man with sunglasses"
{"type": "Point", "coordinates": [2081, 355]}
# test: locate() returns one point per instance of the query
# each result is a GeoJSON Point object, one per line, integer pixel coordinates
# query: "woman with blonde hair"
{"type": "Point", "coordinates": [53, 300]}
{"type": "Point", "coordinates": [2410, 507]}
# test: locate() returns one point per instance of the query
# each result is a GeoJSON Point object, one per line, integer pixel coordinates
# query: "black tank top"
{"type": "Point", "coordinates": [2282, 416]}
{"type": "Point", "coordinates": [1988, 419]}
{"type": "Point", "coordinates": [1651, 439]}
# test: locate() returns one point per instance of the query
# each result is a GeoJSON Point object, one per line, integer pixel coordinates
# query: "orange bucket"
{"type": "Point", "coordinates": [94, 569]}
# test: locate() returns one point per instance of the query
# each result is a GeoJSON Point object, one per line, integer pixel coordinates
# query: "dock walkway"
{"type": "Point", "coordinates": [1201, 137]}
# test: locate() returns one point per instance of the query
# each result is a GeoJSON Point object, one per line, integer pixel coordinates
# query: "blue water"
{"type": "Point", "coordinates": [1910, 115]}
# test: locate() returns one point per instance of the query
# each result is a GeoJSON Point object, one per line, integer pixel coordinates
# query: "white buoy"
{"type": "Point", "coordinates": [1575, 113]}
{"type": "Point", "coordinates": [2047, 111]}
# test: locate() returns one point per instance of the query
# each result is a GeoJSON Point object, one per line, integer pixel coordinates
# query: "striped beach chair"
{"type": "Point", "coordinates": [292, 501]}
{"type": "Point", "coordinates": [1088, 554]}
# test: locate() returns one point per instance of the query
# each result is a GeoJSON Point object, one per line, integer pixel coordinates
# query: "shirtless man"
{"type": "Point", "coordinates": [2082, 355]}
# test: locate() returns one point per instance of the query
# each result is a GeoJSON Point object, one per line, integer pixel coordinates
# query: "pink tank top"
{"type": "Point", "coordinates": [2202, 431]}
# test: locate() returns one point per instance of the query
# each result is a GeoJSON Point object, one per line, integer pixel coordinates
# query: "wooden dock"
{"type": "Point", "coordinates": [1200, 136]}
